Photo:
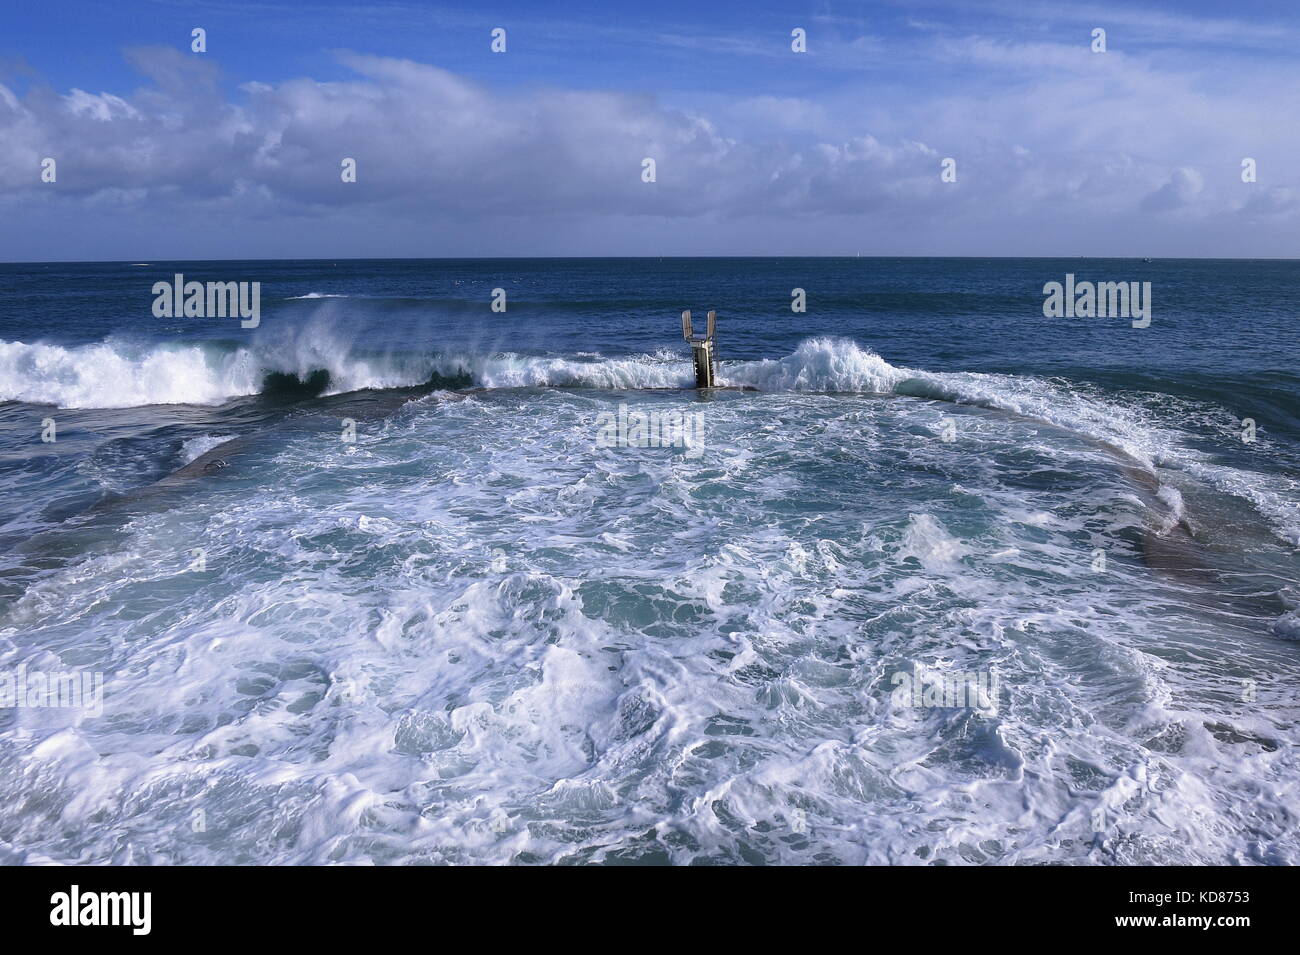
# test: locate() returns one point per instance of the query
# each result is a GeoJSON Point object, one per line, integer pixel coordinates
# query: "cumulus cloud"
{"type": "Point", "coordinates": [1181, 190]}
{"type": "Point", "coordinates": [423, 136]}
{"type": "Point", "coordinates": [1075, 142]}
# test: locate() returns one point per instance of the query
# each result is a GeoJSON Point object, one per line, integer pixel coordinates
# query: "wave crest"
{"type": "Point", "coordinates": [114, 374]}
{"type": "Point", "coordinates": [820, 364]}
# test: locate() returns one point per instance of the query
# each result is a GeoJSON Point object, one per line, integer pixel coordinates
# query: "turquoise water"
{"type": "Point", "coordinates": [476, 633]}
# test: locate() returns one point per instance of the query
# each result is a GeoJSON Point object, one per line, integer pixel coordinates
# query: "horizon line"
{"type": "Point", "coordinates": [624, 258]}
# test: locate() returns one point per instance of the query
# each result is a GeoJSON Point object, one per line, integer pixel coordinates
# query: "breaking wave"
{"type": "Point", "coordinates": [113, 374]}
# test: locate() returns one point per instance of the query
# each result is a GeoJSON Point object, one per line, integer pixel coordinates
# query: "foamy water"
{"type": "Point", "coordinates": [942, 581]}
{"type": "Point", "coordinates": [474, 635]}
{"type": "Point", "coordinates": [112, 376]}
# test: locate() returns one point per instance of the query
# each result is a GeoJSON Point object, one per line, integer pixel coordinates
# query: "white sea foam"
{"type": "Point", "coordinates": [476, 636]}
{"type": "Point", "coordinates": [821, 365]}
{"type": "Point", "coordinates": [110, 375]}
{"type": "Point", "coordinates": [123, 375]}
{"type": "Point", "coordinates": [517, 371]}
{"type": "Point", "coordinates": [197, 447]}
{"type": "Point", "coordinates": [113, 375]}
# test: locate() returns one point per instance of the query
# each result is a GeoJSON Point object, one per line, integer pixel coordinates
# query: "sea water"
{"type": "Point", "coordinates": [942, 581]}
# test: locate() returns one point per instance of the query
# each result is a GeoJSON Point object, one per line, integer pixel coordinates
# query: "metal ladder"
{"type": "Point", "coordinates": [706, 370]}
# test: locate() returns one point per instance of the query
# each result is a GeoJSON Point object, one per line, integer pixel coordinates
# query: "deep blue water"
{"type": "Point", "coordinates": [1211, 317]}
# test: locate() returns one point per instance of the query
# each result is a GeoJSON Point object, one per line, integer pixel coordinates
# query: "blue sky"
{"type": "Point", "coordinates": [235, 152]}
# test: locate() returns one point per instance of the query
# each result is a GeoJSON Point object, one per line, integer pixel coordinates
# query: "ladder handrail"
{"type": "Point", "coordinates": [688, 330]}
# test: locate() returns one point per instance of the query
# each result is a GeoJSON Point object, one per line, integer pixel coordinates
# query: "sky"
{"type": "Point", "coordinates": [162, 152]}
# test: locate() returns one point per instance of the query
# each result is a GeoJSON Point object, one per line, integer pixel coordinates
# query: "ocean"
{"type": "Point", "coordinates": [397, 578]}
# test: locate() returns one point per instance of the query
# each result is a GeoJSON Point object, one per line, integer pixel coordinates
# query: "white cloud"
{"type": "Point", "coordinates": [102, 108]}
{"type": "Point", "coordinates": [1077, 146]}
